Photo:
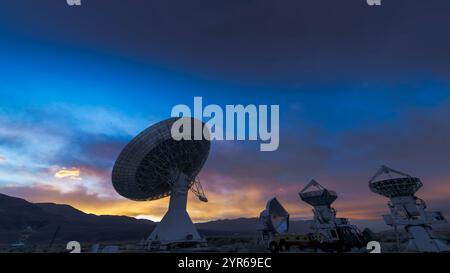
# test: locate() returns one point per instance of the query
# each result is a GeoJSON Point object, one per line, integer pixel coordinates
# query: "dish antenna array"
{"type": "Point", "coordinates": [153, 166]}
{"type": "Point", "coordinates": [274, 220]}
{"type": "Point", "coordinates": [407, 210]}
{"type": "Point", "coordinates": [325, 220]}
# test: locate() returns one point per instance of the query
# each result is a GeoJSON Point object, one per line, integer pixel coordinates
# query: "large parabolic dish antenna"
{"type": "Point", "coordinates": [155, 165]}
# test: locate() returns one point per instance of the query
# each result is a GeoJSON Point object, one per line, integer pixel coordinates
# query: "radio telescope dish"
{"type": "Point", "coordinates": [408, 210]}
{"type": "Point", "coordinates": [275, 217]}
{"type": "Point", "coordinates": [273, 220]}
{"type": "Point", "coordinates": [391, 183]}
{"type": "Point", "coordinates": [154, 165]}
{"type": "Point", "coordinates": [319, 196]}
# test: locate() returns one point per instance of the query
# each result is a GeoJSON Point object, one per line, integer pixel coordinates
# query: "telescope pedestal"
{"type": "Point", "coordinates": [176, 227]}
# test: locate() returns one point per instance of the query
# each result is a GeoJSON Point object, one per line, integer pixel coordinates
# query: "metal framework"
{"type": "Point", "coordinates": [197, 189]}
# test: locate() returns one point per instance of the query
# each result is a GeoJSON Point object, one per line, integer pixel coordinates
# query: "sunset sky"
{"type": "Point", "coordinates": [357, 86]}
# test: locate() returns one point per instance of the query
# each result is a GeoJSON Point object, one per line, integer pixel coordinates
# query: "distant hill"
{"type": "Point", "coordinates": [247, 226]}
{"type": "Point", "coordinates": [239, 226]}
{"type": "Point", "coordinates": [66, 223]}
{"type": "Point", "coordinates": [17, 214]}
{"type": "Point", "coordinates": [44, 219]}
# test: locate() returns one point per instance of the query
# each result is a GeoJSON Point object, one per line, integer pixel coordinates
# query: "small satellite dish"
{"type": "Point", "coordinates": [318, 196]}
{"type": "Point", "coordinates": [275, 218]}
{"type": "Point", "coordinates": [154, 165]}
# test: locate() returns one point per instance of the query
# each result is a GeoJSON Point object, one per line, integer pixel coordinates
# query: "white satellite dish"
{"type": "Point", "coordinates": [273, 221]}
{"type": "Point", "coordinates": [153, 166]}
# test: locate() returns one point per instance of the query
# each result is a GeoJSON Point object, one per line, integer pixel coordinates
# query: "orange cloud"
{"type": "Point", "coordinates": [71, 174]}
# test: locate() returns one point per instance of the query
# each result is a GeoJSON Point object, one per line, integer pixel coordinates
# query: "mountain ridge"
{"type": "Point", "coordinates": [65, 223]}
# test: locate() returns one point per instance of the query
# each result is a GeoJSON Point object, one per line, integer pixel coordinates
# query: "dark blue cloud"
{"type": "Point", "coordinates": [263, 42]}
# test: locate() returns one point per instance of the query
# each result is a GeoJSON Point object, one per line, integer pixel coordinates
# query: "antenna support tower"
{"type": "Point", "coordinates": [407, 210]}
{"type": "Point", "coordinates": [335, 230]}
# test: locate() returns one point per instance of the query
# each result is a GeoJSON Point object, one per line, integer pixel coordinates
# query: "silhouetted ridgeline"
{"type": "Point", "coordinates": [18, 215]}
{"type": "Point", "coordinates": [41, 221]}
